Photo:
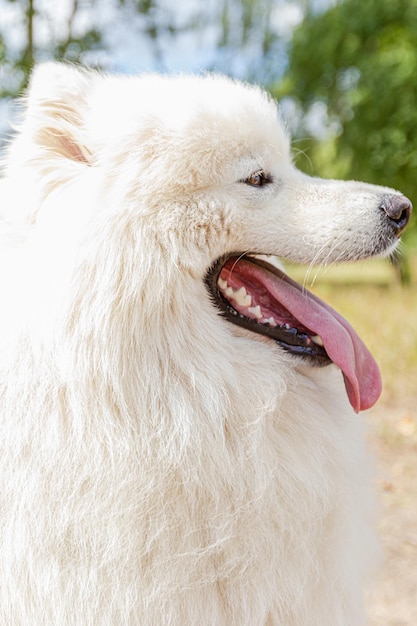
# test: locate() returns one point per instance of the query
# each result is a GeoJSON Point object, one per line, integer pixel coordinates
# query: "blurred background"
{"type": "Point", "coordinates": [345, 75]}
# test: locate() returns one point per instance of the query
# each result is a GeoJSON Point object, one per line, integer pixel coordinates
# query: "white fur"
{"type": "Point", "coordinates": [158, 465]}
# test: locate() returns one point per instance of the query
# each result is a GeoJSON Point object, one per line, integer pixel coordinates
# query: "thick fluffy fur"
{"type": "Point", "coordinates": [160, 466]}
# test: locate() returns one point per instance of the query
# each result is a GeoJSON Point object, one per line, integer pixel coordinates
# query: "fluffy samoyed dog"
{"type": "Point", "coordinates": [180, 442]}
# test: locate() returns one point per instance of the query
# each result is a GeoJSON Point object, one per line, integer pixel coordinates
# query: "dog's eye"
{"type": "Point", "coordinates": [258, 179]}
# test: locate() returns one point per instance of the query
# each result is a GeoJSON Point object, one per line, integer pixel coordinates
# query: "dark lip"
{"type": "Point", "coordinates": [289, 339]}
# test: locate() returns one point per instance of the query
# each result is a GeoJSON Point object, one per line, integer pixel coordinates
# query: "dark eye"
{"type": "Point", "coordinates": [258, 179]}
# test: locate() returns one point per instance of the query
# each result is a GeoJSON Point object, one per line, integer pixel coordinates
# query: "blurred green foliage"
{"type": "Point", "coordinates": [17, 60]}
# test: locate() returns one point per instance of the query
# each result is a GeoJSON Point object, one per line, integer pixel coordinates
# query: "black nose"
{"type": "Point", "coordinates": [398, 210]}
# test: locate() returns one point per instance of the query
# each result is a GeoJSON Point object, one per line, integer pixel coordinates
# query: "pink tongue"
{"type": "Point", "coordinates": [344, 347]}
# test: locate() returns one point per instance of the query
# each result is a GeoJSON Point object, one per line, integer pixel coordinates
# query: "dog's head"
{"type": "Point", "coordinates": [197, 172]}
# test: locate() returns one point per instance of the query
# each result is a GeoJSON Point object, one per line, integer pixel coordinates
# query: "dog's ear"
{"type": "Point", "coordinates": [53, 128]}
{"type": "Point", "coordinates": [56, 103]}
{"type": "Point", "coordinates": [51, 145]}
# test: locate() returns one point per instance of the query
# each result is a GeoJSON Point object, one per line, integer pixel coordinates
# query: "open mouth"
{"type": "Point", "coordinates": [242, 289]}
{"type": "Point", "coordinates": [250, 291]}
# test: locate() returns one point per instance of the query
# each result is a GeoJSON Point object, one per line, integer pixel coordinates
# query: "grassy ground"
{"type": "Point", "coordinates": [385, 316]}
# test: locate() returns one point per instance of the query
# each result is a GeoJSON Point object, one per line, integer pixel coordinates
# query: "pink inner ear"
{"type": "Point", "coordinates": [72, 150]}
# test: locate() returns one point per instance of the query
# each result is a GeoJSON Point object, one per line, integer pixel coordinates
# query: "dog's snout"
{"type": "Point", "coordinates": [398, 210]}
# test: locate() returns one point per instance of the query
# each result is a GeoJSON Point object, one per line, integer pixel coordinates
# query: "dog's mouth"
{"type": "Point", "coordinates": [253, 293]}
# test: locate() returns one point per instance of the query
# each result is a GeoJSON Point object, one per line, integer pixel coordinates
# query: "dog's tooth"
{"type": "Point", "coordinates": [317, 340]}
{"type": "Point", "coordinates": [256, 311]}
{"type": "Point", "coordinates": [242, 298]}
{"type": "Point", "coordinates": [269, 321]}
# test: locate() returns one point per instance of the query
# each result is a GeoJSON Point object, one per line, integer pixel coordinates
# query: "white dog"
{"type": "Point", "coordinates": [171, 454]}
